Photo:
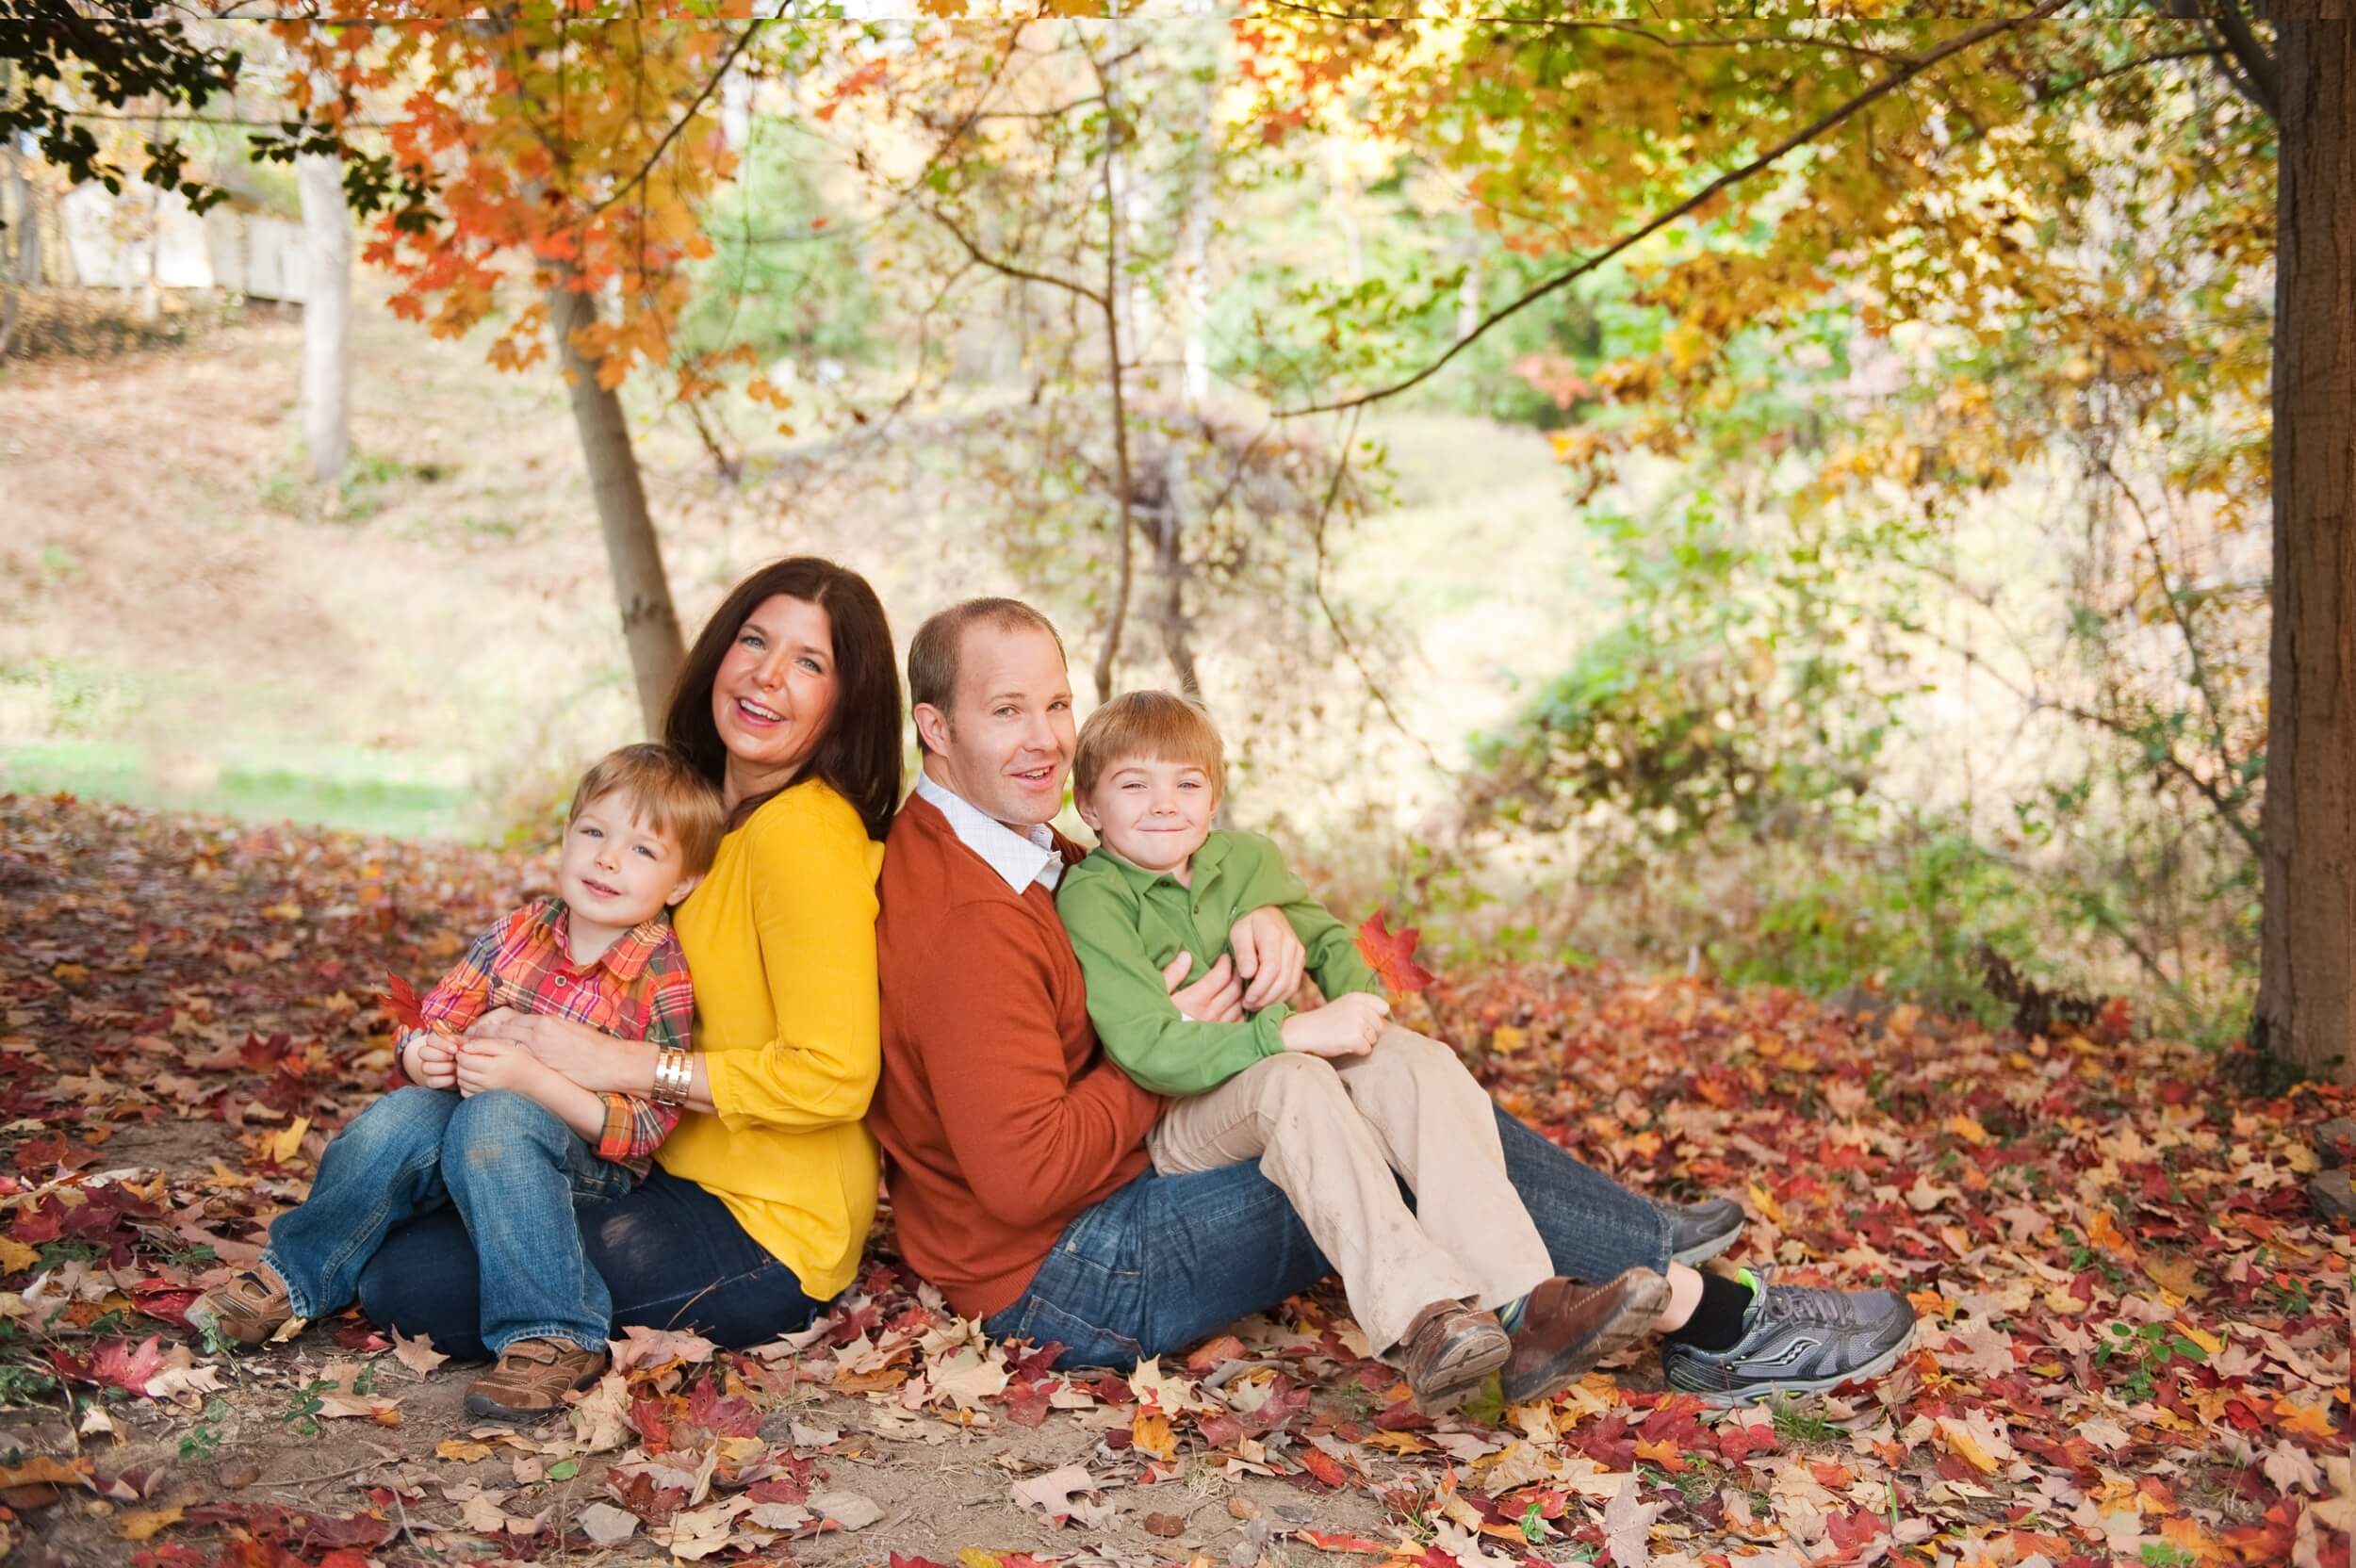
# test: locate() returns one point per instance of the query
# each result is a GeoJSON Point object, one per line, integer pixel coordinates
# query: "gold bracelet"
{"type": "Point", "coordinates": [673, 1077]}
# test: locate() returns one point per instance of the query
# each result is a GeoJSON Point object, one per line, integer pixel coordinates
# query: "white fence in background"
{"type": "Point", "coordinates": [147, 235]}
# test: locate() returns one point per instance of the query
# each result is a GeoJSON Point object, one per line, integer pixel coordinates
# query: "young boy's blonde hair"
{"type": "Point", "coordinates": [666, 794]}
{"type": "Point", "coordinates": [1161, 724]}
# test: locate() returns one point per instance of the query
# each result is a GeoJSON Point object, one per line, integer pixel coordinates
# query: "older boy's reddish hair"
{"type": "Point", "coordinates": [1161, 724]}
{"type": "Point", "coordinates": [666, 793]}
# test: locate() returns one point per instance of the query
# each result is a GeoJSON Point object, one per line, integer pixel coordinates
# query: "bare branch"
{"type": "Point", "coordinates": [1316, 590]}
{"type": "Point", "coordinates": [1005, 267]}
{"type": "Point", "coordinates": [2260, 79]}
{"type": "Point", "coordinates": [1897, 78]}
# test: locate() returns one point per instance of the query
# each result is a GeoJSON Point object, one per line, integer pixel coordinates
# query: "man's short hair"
{"type": "Point", "coordinates": [1161, 724]}
{"type": "Point", "coordinates": [666, 794]}
{"type": "Point", "coordinates": [938, 647]}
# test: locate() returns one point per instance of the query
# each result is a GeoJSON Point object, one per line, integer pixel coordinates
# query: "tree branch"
{"type": "Point", "coordinates": [2260, 81]}
{"type": "Point", "coordinates": [1316, 590]}
{"type": "Point", "coordinates": [1912, 67]}
{"type": "Point", "coordinates": [743, 41]}
{"type": "Point", "coordinates": [1009, 269]}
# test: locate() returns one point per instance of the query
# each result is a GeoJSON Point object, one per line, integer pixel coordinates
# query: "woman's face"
{"type": "Point", "coordinates": [774, 693]}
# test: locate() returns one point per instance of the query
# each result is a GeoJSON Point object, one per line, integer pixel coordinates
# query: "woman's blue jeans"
{"type": "Point", "coordinates": [1166, 1261]}
{"type": "Point", "coordinates": [469, 1273]}
{"type": "Point", "coordinates": [514, 1175]}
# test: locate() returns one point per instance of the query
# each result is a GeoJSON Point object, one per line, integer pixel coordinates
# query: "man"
{"type": "Point", "coordinates": [1016, 1152]}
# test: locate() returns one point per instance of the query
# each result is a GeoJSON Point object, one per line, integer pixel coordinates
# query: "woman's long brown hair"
{"type": "Point", "coordinates": [858, 754]}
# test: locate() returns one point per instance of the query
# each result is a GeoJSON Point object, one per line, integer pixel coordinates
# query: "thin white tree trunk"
{"type": "Point", "coordinates": [650, 624]}
{"type": "Point", "coordinates": [326, 316]}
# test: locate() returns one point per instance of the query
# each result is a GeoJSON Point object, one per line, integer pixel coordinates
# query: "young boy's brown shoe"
{"type": "Point", "coordinates": [1450, 1348]}
{"type": "Point", "coordinates": [532, 1378]}
{"type": "Point", "coordinates": [1566, 1328]}
{"type": "Point", "coordinates": [244, 1311]}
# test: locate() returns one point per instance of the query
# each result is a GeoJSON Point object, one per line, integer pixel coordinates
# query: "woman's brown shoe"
{"type": "Point", "coordinates": [532, 1378]}
{"type": "Point", "coordinates": [1567, 1327]}
{"type": "Point", "coordinates": [244, 1311]}
{"type": "Point", "coordinates": [1448, 1350]}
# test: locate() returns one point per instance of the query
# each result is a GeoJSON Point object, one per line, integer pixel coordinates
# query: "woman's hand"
{"type": "Point", "coordinates": [578, 1052]}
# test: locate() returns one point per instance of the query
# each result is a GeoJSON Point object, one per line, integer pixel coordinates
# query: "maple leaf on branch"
{"type": "Point", "coordinates": [1392, 955]}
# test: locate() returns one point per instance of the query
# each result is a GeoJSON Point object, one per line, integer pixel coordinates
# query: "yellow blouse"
{"type": "Point", "coordinates": [780, 940]}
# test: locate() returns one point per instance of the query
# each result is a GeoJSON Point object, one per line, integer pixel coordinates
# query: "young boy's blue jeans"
{"type": "Point", "coordinates": [516, 1174]}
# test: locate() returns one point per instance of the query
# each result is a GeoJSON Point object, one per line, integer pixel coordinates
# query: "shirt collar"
{"type": "Point", "coordinates": [626, 959]}
{"type": "Point", "coordinates": [1019, 858]}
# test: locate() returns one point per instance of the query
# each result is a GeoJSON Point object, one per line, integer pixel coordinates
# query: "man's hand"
{"type": "Point", "coordinates": [1346, 1026]}
{"type": "Point", "coordinates": [434, 1057]}
{"type": "Point", "coordinates": [1216, 998]}
{"type": "Point", "coordinates": [1269, 954]}
{"type": "Point", "coordinates": [495, 1064]}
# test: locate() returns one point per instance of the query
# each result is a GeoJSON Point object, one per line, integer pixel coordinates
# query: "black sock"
{"type": "Point", "coordinates": [1717, 1320]}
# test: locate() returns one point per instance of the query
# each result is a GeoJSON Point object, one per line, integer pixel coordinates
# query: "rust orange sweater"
{"type": "Point", "coordinates": [999, 1116]}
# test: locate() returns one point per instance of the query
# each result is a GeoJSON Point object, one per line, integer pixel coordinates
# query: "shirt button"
{"type": "Point", "coordinates": [562, 981]}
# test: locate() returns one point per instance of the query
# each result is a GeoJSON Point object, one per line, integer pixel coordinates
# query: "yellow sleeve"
{"type": "Point", "coordinates": [813, 878]}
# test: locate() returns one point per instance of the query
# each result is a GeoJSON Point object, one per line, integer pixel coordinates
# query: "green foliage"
{"type": "Point", "coordinates": [786, 276]}
{"type": "Point", "coordinates": [1314, 302]}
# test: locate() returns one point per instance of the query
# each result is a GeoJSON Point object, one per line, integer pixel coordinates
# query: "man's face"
{"type": "Point", "coordinates": [1005, 742]}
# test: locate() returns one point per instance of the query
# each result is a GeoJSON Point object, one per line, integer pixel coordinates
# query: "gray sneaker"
{"type": "Point", "coordinates": [1698, 1231]}
{"type": "Point", "coordinates": [1796, 1340]}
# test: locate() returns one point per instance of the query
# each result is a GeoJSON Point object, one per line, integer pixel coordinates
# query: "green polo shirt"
{"type": "Point", "coordinates": [1127, 923]}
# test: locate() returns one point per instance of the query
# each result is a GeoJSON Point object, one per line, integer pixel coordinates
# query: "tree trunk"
{"type": "Point", "coordinates": [2306, 1015]}
{"type": "Point", "coordinates": [1169, 566]}
{"type": "Point", "coordinates": [27, 222]}
{"type": "Point", "coordinates": [650, 624]}
{"type": "Point", "coordinates": [326, 316]}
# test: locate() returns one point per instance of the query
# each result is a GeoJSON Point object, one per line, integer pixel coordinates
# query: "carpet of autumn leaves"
{"type": "Point", "coordinates": [2134, 1344]}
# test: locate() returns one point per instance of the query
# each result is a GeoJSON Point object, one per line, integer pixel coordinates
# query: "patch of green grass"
{"type": "Point", "coordinates": [361, 792]}
{"type": "Point", "coordinates": [1797, 1424]}
{"type": "Point", "coordinates": [359, 495]}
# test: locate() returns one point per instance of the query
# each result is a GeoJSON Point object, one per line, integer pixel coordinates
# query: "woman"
{"type": "Point", "coordinates": [758, 1208]}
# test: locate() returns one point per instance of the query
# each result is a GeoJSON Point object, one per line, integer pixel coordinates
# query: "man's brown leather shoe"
{"type": "Point", "coordinates": [1448, 1349]}
{"type": "Point", "coordinates": [532, 1378]}
{"type": "Point", "coordinates": [1567, 1327]}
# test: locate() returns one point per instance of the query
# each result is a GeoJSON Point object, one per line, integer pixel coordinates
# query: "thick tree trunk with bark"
{"type": "Point", "coordinates": [2306, 1014]}
{"type": "Point", "coordinates": [326, 316]}
{"type": "Point", "coordinates": [650, 624]}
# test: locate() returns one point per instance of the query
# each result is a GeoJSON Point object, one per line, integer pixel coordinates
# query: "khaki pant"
{"type": "Point", "coordinates": [1330, 1133]}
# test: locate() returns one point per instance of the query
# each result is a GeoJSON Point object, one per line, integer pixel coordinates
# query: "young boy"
{"type": "Point", "coordinates": [1331, 1101]}
{"type": "Point", "coordinates": [514, 1144]}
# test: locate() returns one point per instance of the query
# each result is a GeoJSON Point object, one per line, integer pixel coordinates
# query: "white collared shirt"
{"type": "Point", "coordinates": [1020, 858]}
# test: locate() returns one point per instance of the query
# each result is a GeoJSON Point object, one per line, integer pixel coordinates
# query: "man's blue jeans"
{"type": "Point", "coordinates": [1168, 1260]}
{"type": "Point", "coordinates": [513, 1172]}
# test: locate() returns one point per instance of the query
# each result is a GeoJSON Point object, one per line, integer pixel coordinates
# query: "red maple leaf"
{"type": "Point", "coordinates": [116, 1364]}
{"type": "Point", "coordinates": [1392, 955]}
{"type": "Point", "coordinates": [402, 1002]}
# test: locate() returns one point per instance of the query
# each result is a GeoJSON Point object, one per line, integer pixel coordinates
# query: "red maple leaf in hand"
{"type": "Point", "coordinates": [1392, 955]}
{"type": "Point", "coordinates": [402, 1004]}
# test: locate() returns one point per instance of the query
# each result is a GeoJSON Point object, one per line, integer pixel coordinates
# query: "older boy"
{"type": "Point", "coordinates": [485, 1126]}
{"type": "Point", "coordinates": [1330, 1102]}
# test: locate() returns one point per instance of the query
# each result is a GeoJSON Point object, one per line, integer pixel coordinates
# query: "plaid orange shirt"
{"type": "Point", "coordinates": [638, 989]}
